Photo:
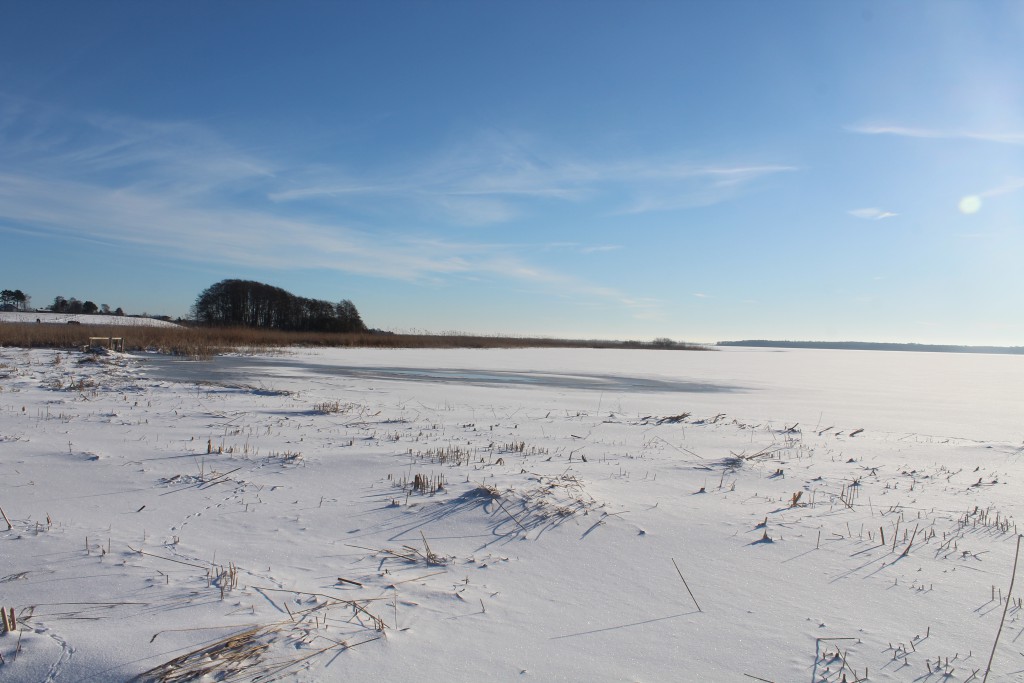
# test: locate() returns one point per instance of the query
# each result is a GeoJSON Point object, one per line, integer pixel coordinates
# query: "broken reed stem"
{"type": "Point", "coordinates": [159, 557]}
{"type": "Point", "coordinates": [350, 581]}
{"type": "Point", "coordinates": [396, 583]}
{"type": "Point", "coordinates": [512, 516]}
{"type": "Point", "coordinates": [9, 525]}
{"type": "Point", "coordinates": [906, 551]}
{"type": "Point", "coordinates": [1013, 577]}
{"type": "Point", "coordinates": [678, 571]}
{"type": "Point", "coordinates": [198, 628]}
{"type": "Point", "coordinates": [354, 604]}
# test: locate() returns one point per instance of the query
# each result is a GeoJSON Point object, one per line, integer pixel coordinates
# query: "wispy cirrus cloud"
{"type": "Point", "coordinates": [181, 191]}
{"type": "Point", "coordinates": [243, 237]}
{"type": "Point", "coordinates": [1010, 186]}
{"type": "Point", "coordinates": [167, 156]}
{"type": "Point", "coordinates": [683, 187]}
{"type": "Point", "coordinates": [1006, 138]}
{"type": "Point", "coordinates": [257, 240]}
{"type": "Point", "coordinates": [494, 178]}
{"type": "Point", "coordinates": [872, 214]}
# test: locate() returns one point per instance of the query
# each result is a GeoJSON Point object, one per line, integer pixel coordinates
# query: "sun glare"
{"type": "Point", "coordinates": [970, 204]}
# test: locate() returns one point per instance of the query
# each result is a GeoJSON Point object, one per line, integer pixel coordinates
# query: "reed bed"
{"type": "Point", "coordinates": [204, 342]}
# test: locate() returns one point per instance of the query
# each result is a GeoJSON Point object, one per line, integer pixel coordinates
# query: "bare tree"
{"type": "Point", "coordinates": [254, 304]}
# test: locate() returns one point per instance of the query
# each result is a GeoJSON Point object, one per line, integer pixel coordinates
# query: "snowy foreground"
{"type": "Point", "coordinates": [786, 516]}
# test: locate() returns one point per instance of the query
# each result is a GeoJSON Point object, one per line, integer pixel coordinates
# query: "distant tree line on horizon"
{"type": "Point", "coordinates": [17, 300]}
{"type": "Point", "coordinates": [874, 346]}
{"type": "Point", "coordinates": [74, 306]}
{"type": "Point", "coordinates": [14, 300]}
{"type": "Point", "coordinates": [255, 304]}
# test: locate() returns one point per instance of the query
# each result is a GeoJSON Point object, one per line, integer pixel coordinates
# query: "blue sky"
{"type": "Point", "coordinates": [630, 170]}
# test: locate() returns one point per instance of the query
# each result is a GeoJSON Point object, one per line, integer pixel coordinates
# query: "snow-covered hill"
{"type": "Point", "coordinates": [84, 319]}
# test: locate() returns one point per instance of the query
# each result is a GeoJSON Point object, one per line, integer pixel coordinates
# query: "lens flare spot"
{"type": "Point", "coordinates": [970, 204]}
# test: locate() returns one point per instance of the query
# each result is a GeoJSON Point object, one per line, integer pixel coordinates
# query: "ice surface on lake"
{"type": "Point", "coordinates": [358, 514]}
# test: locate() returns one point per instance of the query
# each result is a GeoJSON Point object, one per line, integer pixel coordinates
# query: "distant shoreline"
{"type": "Point", "coordinates": [874, 346]}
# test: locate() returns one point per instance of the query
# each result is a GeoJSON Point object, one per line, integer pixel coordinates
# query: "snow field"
{"type": "Point", "coordinates": [317, 527]}
{"type": "Point", "coordinates": [82, 318]}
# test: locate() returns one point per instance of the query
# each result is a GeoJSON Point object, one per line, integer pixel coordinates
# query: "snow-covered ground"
{"type": "Point", "coordinates": [84, 319]}
{"type": "Point", "coordinates": [358, 514]}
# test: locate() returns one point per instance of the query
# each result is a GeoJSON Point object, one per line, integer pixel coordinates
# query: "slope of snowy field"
{"type": "Point", "coordinates": [82, 318]}
{"type": "Point", "coordinates": [554, 515]}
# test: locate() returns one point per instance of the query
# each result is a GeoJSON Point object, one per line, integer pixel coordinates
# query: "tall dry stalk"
{"type": "Point", "coordinates": [1013, 577]}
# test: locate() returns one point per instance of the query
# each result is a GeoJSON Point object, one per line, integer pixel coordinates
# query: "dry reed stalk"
{"type": "Point", "coordinates": [197, 628]}
{"type": "Point", "coordinates": [242, 656]}
{"type": "Point", "coordinates": [1009, 592]}
{"type": "Point", "coordinates": [224, 657]}
{"type": "Point", "coordinates": [425, 576]}
{"type": "Point", "coordinates": [502, 506]}
{"type": "Point", "coordinates": [426, 546]}
{"type": "Point", "coordinates": [906, 550]}
{"type": "Point", "coordinates": [354, 583]}
{"type": "Point", "coordinates": [9, 525]}
{"type": "Point", "coordinates": [378, 623]}
{"type": "Point", "coordinates": [205, 342]}
{"type": "Point", "coordinates": [686, 585]}
{"type": "Point", "coordinates": [160, 557]}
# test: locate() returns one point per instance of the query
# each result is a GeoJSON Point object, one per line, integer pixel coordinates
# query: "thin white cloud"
{"type": "Point", "coordinates": [684, 187]}
{"type": "Point", "coordinates": [224, 235]}
{"type": "Point", "coordinates": [217, 235]}
{"type": "Point", "coordinates": [476, 210]}
{"type": "Point", "coordinates": [730, 175]}
{"type": "Point", "coordinates": [329, 191]}
{"type": "Point", "coordinates": [180, 190]}
{"type": "Point", "coordinates": [570, 287]}
{"type": "Point", "coordinates": [1008, 187]}
{"type": "Point", "coordinates": [872, 214]}
{"type": "Point", "coordinates": [506, 171]}
{"type": "Point", "coordinates": [1006, 138]}
{"type": "Point", "coordinates": [902, 131]}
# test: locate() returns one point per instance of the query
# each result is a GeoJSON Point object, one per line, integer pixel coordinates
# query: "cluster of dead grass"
{"type": "Point", "coordinates": [204, 342]}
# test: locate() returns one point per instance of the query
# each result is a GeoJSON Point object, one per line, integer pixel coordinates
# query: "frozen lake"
{"type": "Point", "coordinates": [432, 507]}
{"type": "Point", "coordinates": [975, 396]}
{"type": "Point", "coordinates": [246, 369]}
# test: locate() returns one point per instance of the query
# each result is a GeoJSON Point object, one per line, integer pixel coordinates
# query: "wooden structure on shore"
{"type": "Point", "coordinates": [112, 343]}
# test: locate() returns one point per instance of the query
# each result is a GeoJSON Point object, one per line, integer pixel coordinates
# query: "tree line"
{"type": "Point", "coordinates": [874, 346]}
{"type": "Point", "coordinates": [17, 300]}
{"type": "Point", "coordinates": [255, 304]}
{"type": "Point", "coordinates": [14, 299]}
{"type": "Point", "coordinates": [74, 306]}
